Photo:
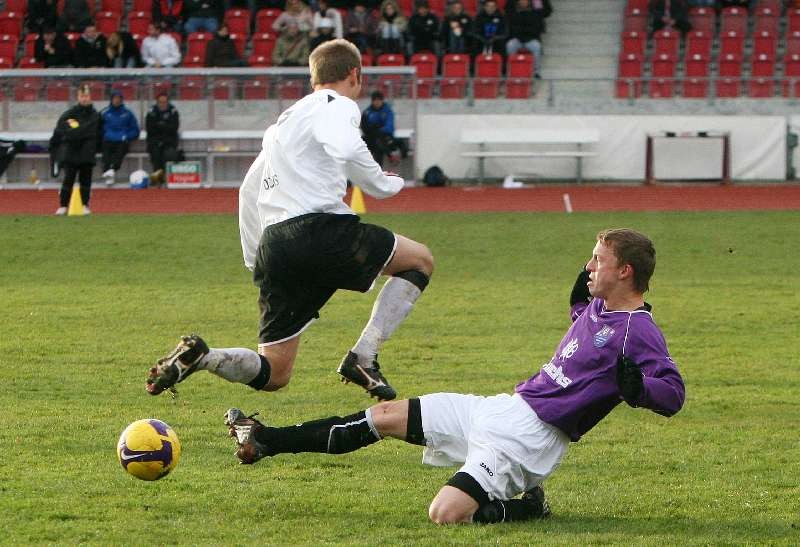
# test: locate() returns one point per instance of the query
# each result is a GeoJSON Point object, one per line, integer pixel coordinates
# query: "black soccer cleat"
{"type": "Point", "coordinates": [535, 498]}
{"type": "Point", "coordinates": [370, 378]}
{"type": "Point", "coordinates": [243, 428]}
{"type": "Point", "coordinates": [177, 365]}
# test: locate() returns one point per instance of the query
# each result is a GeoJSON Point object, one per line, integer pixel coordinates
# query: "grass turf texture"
{"type": "Point", "coordinates": [89, 303]}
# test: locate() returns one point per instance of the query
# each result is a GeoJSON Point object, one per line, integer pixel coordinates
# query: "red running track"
{"type": "Point", "coordinates": [453, 199]}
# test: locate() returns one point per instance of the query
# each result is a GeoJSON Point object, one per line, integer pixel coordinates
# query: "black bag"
{"type": "Point", "coordinates": [434, 176]}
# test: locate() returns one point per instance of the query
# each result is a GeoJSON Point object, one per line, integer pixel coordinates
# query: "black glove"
{"type": "Point", "coordinates": [580, 292]}
{"type": "Point", "coordinates": [629, 379]}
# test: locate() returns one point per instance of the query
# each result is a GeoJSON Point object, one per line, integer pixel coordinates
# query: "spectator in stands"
{"type": "Point", "coordinates": [42, 14]}
{"type": "Point", "coordinates": [525, 28]}
{"type": "Point", "coordinates": [423, 30]}
{"type": "Point", "coordinates": [325, 12]}
{"type": "Point", "coordinates": [670, 14]}
{"type": "Point", "coordinates": [735, 4]}
{"type": "Point", "coordinates": [53, 49]}
{"type": "Point", "coordinates": [202, 15]}
{"type": "Point", "coordinates": [391, 28]}
{"type": "Point", "coordinates": [291, 48]}
{"type": "Point", "coordinates": [490, 28]}
{"type": "Point", "coordinates": [168, 15]}
{"type": "Point", "coordinates": [122, 51]}
{"type": "Point", "coordinates": [73, 147]}
{"type": "Point", "coordinates": [221, 51]}
{"type": "Point", "coordinates": [456, 29]}
{"type": "Point", "coordinates": [159, 49]}
{"type": "Point", "coordinates": [323, 33]}
{"type": "Point", "coordinates": [702, 3]}
{"type": "Point", "coordinates": [377, 125]}
{"type": "Point", "coordinates": [120, 128]}
{"type": "Point", "coordinates": [90, 49]}
{"type": "Point", "coordinates": [360, 26]}
{"type": "Point", "coordinates": [296, 12]}
{"type": "Point", "coordinates": [162, 124]}
{"type": "Point", "coordinates": [75, 16]}
{"type": "Point", "coordinates": [269, 4]}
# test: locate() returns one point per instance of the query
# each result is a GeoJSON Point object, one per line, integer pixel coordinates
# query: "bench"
{"type": "Point", "coordinates": [534, 137]}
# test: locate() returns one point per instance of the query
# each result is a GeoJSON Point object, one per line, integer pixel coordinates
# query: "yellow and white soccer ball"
{"type": "Point", "coordinates": [148, 449]}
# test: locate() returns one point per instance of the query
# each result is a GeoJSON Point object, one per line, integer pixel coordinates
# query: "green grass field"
{"type": "Point", "coordinates": [88, 304]}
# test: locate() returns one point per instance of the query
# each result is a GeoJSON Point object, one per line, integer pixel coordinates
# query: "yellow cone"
{"type": "Point", "coordinates": [357, 201]}
{"type": "Point", "coordinates": [75, 203]}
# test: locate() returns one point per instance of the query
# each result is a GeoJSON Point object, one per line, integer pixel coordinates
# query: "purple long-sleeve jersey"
{"type": "Point", "coordinates": [578, 386]}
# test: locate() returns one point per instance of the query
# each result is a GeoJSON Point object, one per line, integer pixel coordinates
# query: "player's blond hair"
{"type": "Point", "coordinates": [634, 248]}
{"type": "Point", "coordinates": [332, 61]}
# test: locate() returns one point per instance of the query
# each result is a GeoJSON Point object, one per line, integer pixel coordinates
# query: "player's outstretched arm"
{"type": "Point", "coordinates": [657, 386]}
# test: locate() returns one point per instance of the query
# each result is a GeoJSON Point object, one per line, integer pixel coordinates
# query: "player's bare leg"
{"type": "Point", "coordinates": [410, 269]}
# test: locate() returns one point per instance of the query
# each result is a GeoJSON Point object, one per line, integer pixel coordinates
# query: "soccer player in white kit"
{"type": "Point", "coordinates": [302, 241]}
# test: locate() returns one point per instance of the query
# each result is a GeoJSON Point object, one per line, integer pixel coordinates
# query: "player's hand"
{"type": "Point", "coordinates": [580, 291]}
{"type": "Point", "coordinates": [629, 379]}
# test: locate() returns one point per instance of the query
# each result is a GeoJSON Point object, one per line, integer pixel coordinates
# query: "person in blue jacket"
{"type": "Point", "coordinates": [119, 129]}
{"type": "Point", "coordinates": [377, 124]}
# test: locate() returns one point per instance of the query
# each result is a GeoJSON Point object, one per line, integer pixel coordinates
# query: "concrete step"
{"type": "Point", "coordinates": [582, 40]}
{"type": "Point", "coordinates": [588, 6]}
{"type": "Point", "coordinates": [583, 20]}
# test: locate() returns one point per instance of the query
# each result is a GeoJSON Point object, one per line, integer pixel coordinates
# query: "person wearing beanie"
{"type": "Point", "coordinates": [119, 129]}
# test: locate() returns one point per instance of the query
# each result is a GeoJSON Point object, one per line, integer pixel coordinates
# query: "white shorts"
{"type": "Point", "coordinates": [500, 440]}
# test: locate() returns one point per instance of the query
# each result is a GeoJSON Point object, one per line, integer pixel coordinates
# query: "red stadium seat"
{"type": "Point", "coordinates": [224, 89]}
{"type": "Point", "coordinates": [471, 7]}
{"type": "Point", "coordinates": [703, 19]}
{"type": "Point", "coordinates": [698, 42]}
{"type": "Point", "coordinates": [767, 19]}
{"type": "Point", "coordinates": [662, 83]}
{"type": "Point", "coordinates": [696, 70]}
{"type": "Point", "coordinates": [291, 89]}
{"type": "Point", "coordinates": [635, 19]}
{"type": "Point", "coordinates": [791, 74]}
{"type": "Point", "coordinates": [641, 4]}
{"type": "Point", "coordinates": [728, 83]}
{"type": "Point", "coordinates": [107, 22]}
{"type": "Point", "coordinates": [138, 21]}
{"type": "Point", "coordinates": [256, 88]}
{"type": "Point", "coordinates": [240, 41]}
{"type": "Point", "coordinates": [97, 90]}
{"type": "Point", "coordinates": [142, 5]}
{"type": "Point", "coordinates": [30, 62]}
{"type": "Point", "coordinates": [367, 59]}
{"type": "Point", "coordinates": [128, 88]}
{"type": "Point", "coordinates": [195, 61]}
{"type": "Point", "coordinates": [666, 42]}
{"type": "Point", "coordinates": [238, 21]}
{"type": "Point", "coordinates": [6, 62]}
{"type": "Point", "coordinates": [426, 74]}
{"type": "Point", "coordinates": [519, 76]}
{"type": "Point", "coordinates": [28, 90]}
{"type": "Point", "coordinates": [765, 43]}
{"type": "Point", "coordinates": [11, 22]}
{"type": "Point", "coordinates": [438, 7]}
{"type": "Point", "coordinates": [8, 46]}
{"type": "Point", "coordinates": [265, 18]}
{"type": "Point", "coordinates": [455, 70]}
{"type": "Point", "coordinates": [192, 88]}
{"type": "Point", "coordinates": [488, 69]}
{"type": "Point", "coordinates": [793, 42]}
{"type": "Point", "coordinates": [259, 60]}
{"type": "Point", "coordinates": [197, 43]}
{"type": "Point", "coordinates": [734, 18]}
{"type": "Point", "coordinates": [406, 7]}
{"type": "Point", "coordinates": [157, 87]}
{"type": "Point", "coordinates": [58, 91]}
{"type": "Point", "coordinates": [264, 43]}
{"type": "Point", "coordinates": [762, 72]}
{"type": "Point", "coordinates": [20, 6]}
{"type": "Point", "coordinates": [391, 85]}
{"type": "Point", "coordinates": [793, 19]}
{"type": "Point", "coordinates": [731, 43]}
{"type": "Point", "coordinates": [118, 6]}
{"type": "Point", "coordinates": [30, 44]}
{"type": "Point", "coordinates": [629, 80]}
{"type": "Point", "coordinates": [634, 41]}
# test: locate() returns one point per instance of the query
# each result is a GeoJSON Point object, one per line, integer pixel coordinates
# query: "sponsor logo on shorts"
{"type": "Point", "coordinates": [486, 467]}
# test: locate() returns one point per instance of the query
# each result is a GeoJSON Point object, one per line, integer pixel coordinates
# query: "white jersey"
{"type": "Point", "coordinates": [305, 162]}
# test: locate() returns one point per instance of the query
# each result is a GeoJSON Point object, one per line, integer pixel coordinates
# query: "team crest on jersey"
{"type": "Point", "coordinates": [601, 338]}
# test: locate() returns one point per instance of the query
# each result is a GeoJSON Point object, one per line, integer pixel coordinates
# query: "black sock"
{"type": "Point", "coordinates": [334, 435]}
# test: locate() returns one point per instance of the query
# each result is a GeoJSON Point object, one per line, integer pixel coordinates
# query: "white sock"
{"type": "Point", "coordinates": [393, 304]}
{"type": "Point", "coordinates": [240, 365]}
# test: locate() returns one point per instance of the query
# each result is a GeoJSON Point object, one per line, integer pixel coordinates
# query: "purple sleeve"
{"type": "Point", "coordinates": [663, 390]}
{"type": "Point", "coordinates": [577, 310]}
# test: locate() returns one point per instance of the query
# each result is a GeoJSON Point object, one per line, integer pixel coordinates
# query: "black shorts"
{"type": "Point", "coordinates": [302, 261]}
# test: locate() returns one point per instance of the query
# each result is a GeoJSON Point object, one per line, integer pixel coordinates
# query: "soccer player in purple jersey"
{"type": "Point", "coordinates": [509, 444]}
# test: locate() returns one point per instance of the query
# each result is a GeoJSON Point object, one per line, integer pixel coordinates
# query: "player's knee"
{"type": "Point", "coordinates": [441, 512]}
{"type": "Point", "coordinates": [387, 417]}
{"type": "Point", "coordinates": [280, 373]}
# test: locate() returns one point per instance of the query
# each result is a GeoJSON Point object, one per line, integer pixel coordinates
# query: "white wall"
{"type": "Point", "coordinates": [758, 147]}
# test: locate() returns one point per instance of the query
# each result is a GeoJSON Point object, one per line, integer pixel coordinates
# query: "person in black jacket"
{"type": "Point", "coordinates": [90, 49]}
{"type": "Point", "coordinates": [53, 49]}
{"type": "Point", "coordinates": [202, 15]}
{"type": "Point", "coordinates": [221, 50]}
{"type": "Point", "coordinates": [162, 123]}
{"type": "Point", "coordinates": [423, 30]}
{"type": "Point", "coordinates": [456, 29]}
{"type": "Point", "coordinates": [42, 14]}
{"type": "Point", "coordinates": [74, 144]}
{"type": "Point", "coordinates": [490, 28]}
{"type": "Point", "coordinates": [526, 26]}
{"type": "Point", "coordinates": [122, 51]}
